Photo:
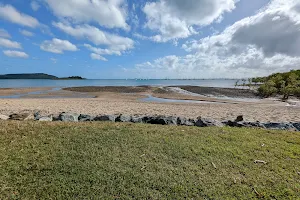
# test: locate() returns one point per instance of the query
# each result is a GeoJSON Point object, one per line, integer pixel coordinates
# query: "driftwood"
{"type": "Point", "coordinates": [260, 161]}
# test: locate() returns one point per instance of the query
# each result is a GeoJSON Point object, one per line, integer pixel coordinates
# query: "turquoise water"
{"type": "Point", "coordinates": [14, 83]}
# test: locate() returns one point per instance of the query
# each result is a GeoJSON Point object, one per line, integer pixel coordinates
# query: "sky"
{"type": "Point", "coordinates": [116, 39]}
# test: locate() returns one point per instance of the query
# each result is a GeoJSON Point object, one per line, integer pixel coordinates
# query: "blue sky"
{"type": "Point", "coordinates": [150, 39]}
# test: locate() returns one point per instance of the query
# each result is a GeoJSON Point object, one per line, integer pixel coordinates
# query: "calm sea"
{"type": "Point", "coordinates": [14, 83]}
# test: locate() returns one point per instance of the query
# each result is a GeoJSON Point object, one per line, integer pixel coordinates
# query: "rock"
{"type": "Point", "coordinates": [182, 121]}
{"type": "Point", "coordinates": [22, 116]}
{"type": "Point", "coordinates": [239, 118]}
{"type": "Point", "coordinates": [202, 122]}
{"type": "Point", "coordinates": [279, 126]}
{"type": "Point", "coordinates": [46, 119]}
{"type": "Point", "coordinates": [68, 117]}
{"type": "Point", "coordinates": [4, 117]}
{"type": "Point", "coordinates": [159, 119]}
{"type": "Point", "coordinates": [297, 126]}
{"type": "Point", "coordinates": [37, 115]}
{"type": "Point", "coordinates": [171, 120]}
{"type": "Point", "coordinates": [123, 118]}
{"type": "Point", "coordinates": [111, 118]}
{"type": "Point", "coordinates": [137, 119]}
{"type": "Point", "coordinates": [85, 118]}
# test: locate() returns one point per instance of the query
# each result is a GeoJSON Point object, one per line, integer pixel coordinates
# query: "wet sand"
{"type": "Point", "coordinates": [127, 101]}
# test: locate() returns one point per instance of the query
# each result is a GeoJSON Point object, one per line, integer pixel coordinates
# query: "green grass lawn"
{"type": "Point", "coordinates": [138, 161]}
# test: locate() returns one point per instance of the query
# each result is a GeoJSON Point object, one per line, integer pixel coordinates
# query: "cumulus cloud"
{"type": "Point", "coordinates": [97, 36]}
{"type": "Point", "coordinates": [4, 33]}
{"type": "Point", "coordinates": [57, 46]}
{"type": "Point", "coordinates": [26, 33]}
{"type": "Point", "coordinates": [258, 45]}
{"type": "Point", "coordinates": [9, 13]}
{"type": "Point", "coordinates": [34, 5]}
{"type": "Point", "coordinates": [9, 44]}
{"type": "Point", "coordinates": [102, 51]}
{"type": "Point", "coordinates": [174, 19]}
{"type": "Point", "coordinates": [108, 13]}
{"type": "Point", "coordinates": [16, 54]}
{"type": "Point", "coordinates": [95, 56]}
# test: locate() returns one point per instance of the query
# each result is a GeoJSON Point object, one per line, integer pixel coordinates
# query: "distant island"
{"type": "Point", "coordinates": [38, 76]}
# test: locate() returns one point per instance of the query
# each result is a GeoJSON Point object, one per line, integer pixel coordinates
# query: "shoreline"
{"type": "Point", "coordinates": [110, 101]}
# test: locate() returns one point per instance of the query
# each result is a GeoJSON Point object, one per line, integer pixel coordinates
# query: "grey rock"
{"type": "Point", "coordinates": [4, 117]}
{"type": "Point", "coordinates": [111, 118]}
{"type": "Point", "coordinates": [239, 118]}
{"type": "Point", "coordinates": [21, 116]}
{"type": "Point", "coordinates": [37, 115]}
{"type": "Point", "coordinates": [159, 119]}
{"type": "Point", "coordinates": [137, 119]}
{"type": "Point", "coordinates": [68, 117]}
{"type": "Point", "coordinates": [279, 126]}
{"type": "Point", "coordinates": [297, 125]}
{"type": "Point", "coordinates": [102, 118]}
{"type": "Point", "coordinates": [85, 118]}
{"type": "Point", "coordinates": [123, 118]}
{"type": "Point", "coordinates": [203, 122]}
{"type": "Point", "coordinates": [46, 119]}
{"type": "Point", "coordinates": [171, 120]}
{"type": "Point", "coordinates": [182, 121]}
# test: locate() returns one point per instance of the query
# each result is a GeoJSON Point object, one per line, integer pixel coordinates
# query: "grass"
{"type": "Point", "coordinates": [137, 161]}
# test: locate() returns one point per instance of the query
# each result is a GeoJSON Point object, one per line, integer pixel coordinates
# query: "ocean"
{"type": "Point", "coordinates": [19, 83]}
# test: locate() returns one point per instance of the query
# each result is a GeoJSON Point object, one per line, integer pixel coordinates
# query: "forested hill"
{"type": "Point", "coordinates": [28, 76]}
{"type": "Point", "coordinates": [36, 76]}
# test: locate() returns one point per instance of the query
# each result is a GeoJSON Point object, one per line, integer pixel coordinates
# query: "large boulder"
{"type": "Point", "coordinates": [137, 119]}
{"type": "Point", "coordinates": [85, 118]}
{"type": "Point", "coordinates": [21, 116]}
{"type": "Point", "coordinates": [111, 118]}
{"type": "Point", "coordinates": [4, 117]}
{"type": "Point", "coordinates": [46, 119]}
{"type": "Point", "coordinates": [157, 119]}
{"type": "Point", "coordinates": [182, 121]}
{"type": "Point", "coordinates": [204, 122]}
{"type": "Point", "coordinates": [123, 118]}
{"type": "Point", "coordinates": [279, 126]}
{"type": "Point", "coordinates": [239, 118]}
{"type": "Point", "coordinates": [297, 126]}
{"type": "Point", "coordinates": [68, 117]}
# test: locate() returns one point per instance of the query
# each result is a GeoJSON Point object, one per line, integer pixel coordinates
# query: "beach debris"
{"type": "Point", "coordinates": [298, 173]}
{"type": "Point", "coordinates": [4, 117]}
{"type": "Point", "coordinates": [214, 165]}
{"type": "Point", "coordinates": [258, 194]}
{"type": "Point", "coordinates": [262, 145]}
{"type": "Point", "coordinates": [68, 117]}
{"type": "Point", "coordinates": [260, 161]}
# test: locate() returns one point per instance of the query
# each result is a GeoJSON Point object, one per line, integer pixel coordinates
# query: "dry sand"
{"type": "Point", "coordinates": [128, 103]}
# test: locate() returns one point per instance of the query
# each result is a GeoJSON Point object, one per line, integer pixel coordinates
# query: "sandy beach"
{"type": "Point", "coordinates": [127, 100]}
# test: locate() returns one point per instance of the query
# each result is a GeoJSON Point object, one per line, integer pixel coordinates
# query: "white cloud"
{"type": "Point", "coordinates": [58, 46]}
{"type": "Point", "coordinates": [34, 5]}
{"type": "Point", "coordinates": [9, 44]}
{"type": "Point", "coordinates": [97, 36]}
{"type": "Point", "coordinates": [259, 45]}
{"type": "Point", "coordinates": [108, 13]}
{"type": "Point", "coordinates": [26, 33]}
{"type": "Point", "coordinates": [102, 51]}
{"type": "Point", "coordinates": [4, 33]}
{"type": "Point", "coordinates": [9, 13]}
{"type": "Point", "coordinates": [17, 54]}
{"type": "Point", "coordinates": [54, 60]}
{"type": "Point", "coordinates": [175, 19]}
{"type": "Point", "coordinates": [95, 56]}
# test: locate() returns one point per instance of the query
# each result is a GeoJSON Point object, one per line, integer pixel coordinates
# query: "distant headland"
{"type": "Point", "coordinates": [38, 76]}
